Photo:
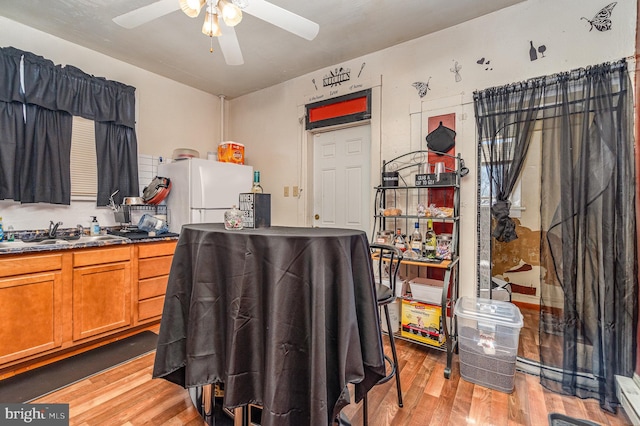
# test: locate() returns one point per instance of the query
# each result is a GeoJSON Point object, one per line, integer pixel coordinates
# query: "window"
{"type": "Point", "coordinates": [84, 173]}
{"type": "Point", "coordinates": [487, 193]}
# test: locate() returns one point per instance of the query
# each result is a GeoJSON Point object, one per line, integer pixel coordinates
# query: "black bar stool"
{"type": "Point", "coordinates": [386, 260]}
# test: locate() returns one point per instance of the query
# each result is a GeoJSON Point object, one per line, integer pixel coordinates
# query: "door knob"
{"type": "Point", "coordinates": [317, 217]}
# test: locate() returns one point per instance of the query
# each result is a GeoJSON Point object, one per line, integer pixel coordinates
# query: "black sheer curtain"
{"type": "Point", "coordinates": [117, 149]}
{"type": "Point", "coordinates": [41, 149]}
{"type": "Point", "coordinates": [11, 131]}
{"type": "Point", "coordinates": [505, 117]}
{"type": "Point", "coordinates": [12, 126]}
{"type": "Point", "coordinates": [42, 161]}
{"type": "Point", "coordinates": [589, 291]}
{"type": "Point", "coordinates": [588, 240]}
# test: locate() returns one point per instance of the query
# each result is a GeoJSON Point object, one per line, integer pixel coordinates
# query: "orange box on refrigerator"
{"type": "Point", "coordinates": [231, 152]}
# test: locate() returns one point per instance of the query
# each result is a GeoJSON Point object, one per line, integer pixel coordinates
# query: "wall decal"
{"type": "Point", "coordinates": [313, 80]}
{"type": "Point", "coordinates": [602, 21]}
{"type": "Point", "coordinates": [486, 63]}
{"type": "Point", "coordinates": [456, 70]}
{"type": "Point", "coordinates": [542, 48]}
{"type": "Point", "coordinates": [422, 87]}
{"type": "Point", "coordinates": [533, 52]}
{"type": "Point", "coordinates": [361, 68]}
{"type": "Point", "coordinates": [336, 77]}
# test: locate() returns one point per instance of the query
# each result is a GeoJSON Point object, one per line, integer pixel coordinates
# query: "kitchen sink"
{"type": "Point", "coordinates": [24, 244]}
{"type": "Point", "coordinates": [49, 242]}
{"type": "Point", "coordinates": [69, 241]}
{"type": "Point", "coordinates": [93, 238]}
{"type": "Point", "coordinates": [13, 244]}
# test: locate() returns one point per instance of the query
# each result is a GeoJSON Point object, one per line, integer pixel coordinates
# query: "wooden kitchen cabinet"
{"type": "Point", "coordinates": [101, 291]}
{"type": "Point", "coordinates": [31, 300]}
{"type": "Point", "coordinates": [59, 303]}
{"type": "Point", "coordinates": [153, 266]}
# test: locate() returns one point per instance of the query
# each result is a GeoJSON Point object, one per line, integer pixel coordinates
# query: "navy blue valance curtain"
{"type": "Point", "coordinates": [36, 109]}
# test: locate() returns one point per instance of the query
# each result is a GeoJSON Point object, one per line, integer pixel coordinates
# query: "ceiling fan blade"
{"type": "Point", "coordinates": [147, 13]}
{"type": "Point", "coordinates": [282, 18]}
{"type": "Point", "coordinates": [229, 45]}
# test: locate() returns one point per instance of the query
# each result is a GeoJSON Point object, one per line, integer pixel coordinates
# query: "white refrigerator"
{"type": "Point", "coordinates": [202, 190]}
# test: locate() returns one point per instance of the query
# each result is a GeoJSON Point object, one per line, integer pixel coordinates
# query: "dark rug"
{"type": "Point", "coordinates": [33, 384]}
{"type": "Point", "coordinates": [557, 419]}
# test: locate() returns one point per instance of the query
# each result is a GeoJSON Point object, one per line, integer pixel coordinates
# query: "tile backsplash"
{"type": "Point", "coordinates": [147, 169]}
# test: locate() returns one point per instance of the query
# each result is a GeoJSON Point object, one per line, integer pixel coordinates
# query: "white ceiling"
{"type": "Point", "coordinates": [173, 46]}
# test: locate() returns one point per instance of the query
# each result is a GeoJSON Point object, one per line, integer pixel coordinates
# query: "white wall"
{"type": "Point", "coordinates": [267, 121]}
{"type": "Point", "coordinates": [169, 115]}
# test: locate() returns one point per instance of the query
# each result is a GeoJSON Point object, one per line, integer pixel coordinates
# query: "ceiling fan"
{"type": "Point", "coordinates": [230, 14]}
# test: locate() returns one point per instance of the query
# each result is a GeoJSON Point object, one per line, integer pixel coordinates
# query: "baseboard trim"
{"type": "Point", "coordinates": [628, 393]}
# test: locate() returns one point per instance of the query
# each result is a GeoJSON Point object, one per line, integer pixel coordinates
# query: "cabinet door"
{"type": "Point", "coordinates": [30, 314]}
{"type": "Point", "coordinates": [101, 299]}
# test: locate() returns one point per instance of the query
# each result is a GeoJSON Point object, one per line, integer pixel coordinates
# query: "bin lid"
{"type": "Point", "coordinates": [488, 310]}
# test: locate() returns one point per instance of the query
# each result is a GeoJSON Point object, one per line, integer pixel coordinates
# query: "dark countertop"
{"type": "Point", "coordinates": [47, 245]}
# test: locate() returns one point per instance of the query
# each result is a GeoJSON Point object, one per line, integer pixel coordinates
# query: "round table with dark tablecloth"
{"type": "Point", "coordinates": [285, 317]}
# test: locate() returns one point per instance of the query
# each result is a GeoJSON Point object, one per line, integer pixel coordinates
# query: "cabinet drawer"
{"type": "Point", "coordinates": [156, 249]}
{"type": "Point", "coordinates": [150, 308]}
{"type": "Point", "coordinates": [101, 255]}
{"type": "Point", "coordinates": [25, 264]}
{"type": "Point", "coordinates": [152, 287]}
{"type": "Point", "coordinates": [154, 267]}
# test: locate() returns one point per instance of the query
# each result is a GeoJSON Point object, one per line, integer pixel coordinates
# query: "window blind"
{"type": "Point", "coordinates": [84, 181]}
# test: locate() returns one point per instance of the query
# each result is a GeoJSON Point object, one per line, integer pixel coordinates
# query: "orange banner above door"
{"type": "Point", "coordinates": [340, 110]}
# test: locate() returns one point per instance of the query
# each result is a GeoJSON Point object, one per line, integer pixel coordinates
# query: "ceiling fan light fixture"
{"type": "Point", "coordinates": [231, 14]}
{"type": "Point", "coordinates": [192, 8]}
{"type": "Point", "coordinates": [241, 3]}
{"type": "Point", "coordinates": [211, 26]}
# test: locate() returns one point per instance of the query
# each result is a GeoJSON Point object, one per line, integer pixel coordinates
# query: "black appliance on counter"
{"type": "Point", "coordinates": [141, 235]}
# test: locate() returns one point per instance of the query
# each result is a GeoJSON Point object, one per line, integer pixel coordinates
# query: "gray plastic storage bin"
{"type": "Point", "coordinates": [488, 333]}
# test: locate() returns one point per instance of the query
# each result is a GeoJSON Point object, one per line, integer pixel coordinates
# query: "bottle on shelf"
{"type": "Point", "coordinates": [430, 241]}
{"type": "Point", "coordinates": [256, 188]}
{"type": "Point", "coordinates": [400, 241]}
{"type": "Point", "coordinates": [1, 230]}
{"type": "Point", "coordinates": [416, 240]}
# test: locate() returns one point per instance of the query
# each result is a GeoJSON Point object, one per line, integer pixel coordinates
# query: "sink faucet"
{"type": "Point", "coordinates": [53, 228]}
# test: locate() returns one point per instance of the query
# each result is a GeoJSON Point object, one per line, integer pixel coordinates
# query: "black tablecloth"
{"type": "Point", "coordinates": [284, 317]}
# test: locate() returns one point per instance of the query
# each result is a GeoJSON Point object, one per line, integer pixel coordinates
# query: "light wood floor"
{"type": "Point", "coordinates": [529, 345]}
{"type": "Point", "coordinates": [127, 395]}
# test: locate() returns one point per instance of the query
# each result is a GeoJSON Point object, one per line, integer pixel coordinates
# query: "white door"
{"type": "Point", "coordinates": [341, 178]}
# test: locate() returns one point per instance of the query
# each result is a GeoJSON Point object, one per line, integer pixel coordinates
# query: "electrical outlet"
{"type": "Point", "coordinates": [286, 191]}
{"type": "Point", "coordinates": [295, 191]}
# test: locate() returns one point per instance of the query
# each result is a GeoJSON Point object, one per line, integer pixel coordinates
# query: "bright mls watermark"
{"type": "Point", "coordinates": [34, 414]}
